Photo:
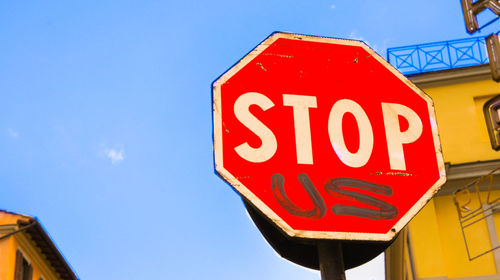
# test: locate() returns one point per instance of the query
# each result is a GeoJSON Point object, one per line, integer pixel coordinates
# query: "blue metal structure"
{"type": "Point", "coordinates": [438, 56]}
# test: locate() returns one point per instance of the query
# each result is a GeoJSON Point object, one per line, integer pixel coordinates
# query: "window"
{"type": "Point", "coordinates": [24, 270]}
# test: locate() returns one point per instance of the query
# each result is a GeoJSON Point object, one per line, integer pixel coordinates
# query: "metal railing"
{"type": "Point", "coordinates": [476, 205]}
{"type": "Point", "coordinates": [438, 56]}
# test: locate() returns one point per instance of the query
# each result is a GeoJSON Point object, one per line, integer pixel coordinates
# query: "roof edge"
{"type": "Point", "coordinates": [43, 240]}
{"type": "Point", "coordinates": [32, 226]}
{"type": "Point", "coordinates": [452, 76]}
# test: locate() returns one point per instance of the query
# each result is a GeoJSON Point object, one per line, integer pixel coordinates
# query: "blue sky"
{"type": "Point", "coordinates": [106, 130]}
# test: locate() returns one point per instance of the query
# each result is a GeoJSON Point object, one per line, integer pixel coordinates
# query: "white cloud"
{"type": "Point", "coordinates": [12, 133]}
{"type": "Point", "coordinates": [115, 155]}
{"type": "Point", "coordinates": [333, 6]}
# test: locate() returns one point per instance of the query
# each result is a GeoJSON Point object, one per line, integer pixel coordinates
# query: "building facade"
{"type": "Point", "coordinates": [456, 235]}
{"type": "Point", "coordinates": [28, 253]}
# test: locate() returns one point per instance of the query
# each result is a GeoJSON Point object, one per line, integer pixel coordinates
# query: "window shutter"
{"type": "Point", "coordinates": [30, 272]}
{"type": "Point", "coordinates": [18, 275]}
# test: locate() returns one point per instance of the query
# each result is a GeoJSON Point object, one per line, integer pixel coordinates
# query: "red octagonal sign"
{"type": "Point", "coordinates": [326, 138]}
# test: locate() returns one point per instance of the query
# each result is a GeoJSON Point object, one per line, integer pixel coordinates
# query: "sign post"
{"type": "Point", "coordinates": [331, 260]}
{"type": "Point", "coordinates": [326, 140]}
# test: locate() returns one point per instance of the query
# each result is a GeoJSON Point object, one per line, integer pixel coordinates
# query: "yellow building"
{"type": "Point", "coordinates": [456, 235]}
{"type": "Point", "coordinates": [27, 252]}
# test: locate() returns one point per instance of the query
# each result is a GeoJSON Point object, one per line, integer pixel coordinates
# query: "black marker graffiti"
{"type": "Point", "coordinates": [278, 186]}
{"type": "Point", "coordinates": [385, 210]}
{"type": "Point", "coordinates": [382, 211]}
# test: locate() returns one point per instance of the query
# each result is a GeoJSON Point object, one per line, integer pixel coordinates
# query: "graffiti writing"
{"type": "Point", "coordinates": [278, 185]}
{"type": "Point", "coordinates": [381, 210]}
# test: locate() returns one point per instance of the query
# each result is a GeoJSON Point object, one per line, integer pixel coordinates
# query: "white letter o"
{"type": "Point", "coordinates": [364, 152]}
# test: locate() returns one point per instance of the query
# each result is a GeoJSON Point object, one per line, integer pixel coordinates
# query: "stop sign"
{"type": "Point", "coordinates": [326, 138]}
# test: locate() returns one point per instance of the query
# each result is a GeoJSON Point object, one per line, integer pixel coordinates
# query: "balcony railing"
{"type": "Point", "coordinates": [438, 56]}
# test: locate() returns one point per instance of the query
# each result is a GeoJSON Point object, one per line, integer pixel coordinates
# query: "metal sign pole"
{"type": "Point", "coordinates": [331, 260]}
